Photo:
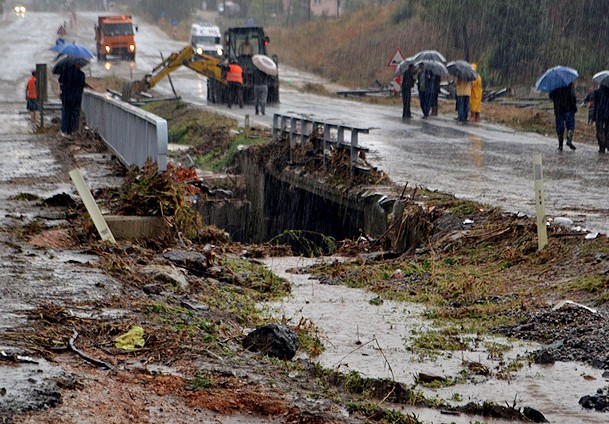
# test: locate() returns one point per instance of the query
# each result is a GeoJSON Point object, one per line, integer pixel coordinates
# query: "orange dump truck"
{"type": "Point", "coordinates": [114, 36]}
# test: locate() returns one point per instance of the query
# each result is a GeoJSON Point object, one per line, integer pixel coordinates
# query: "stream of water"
{"type": "Point", "coordinates": [373, 339]}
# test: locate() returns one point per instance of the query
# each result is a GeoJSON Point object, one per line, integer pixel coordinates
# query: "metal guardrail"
{"type": "Point", "coordinates": [300, 129]}
{"type": "Point", "coordinates": [133, 134]}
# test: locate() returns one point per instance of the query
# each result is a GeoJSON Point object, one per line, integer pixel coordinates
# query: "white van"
{"type": "Point", "coordinates": [206, 38]}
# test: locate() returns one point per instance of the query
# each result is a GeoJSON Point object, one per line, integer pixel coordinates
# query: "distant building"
{"type": "Point", "coordinates": [329, 8]}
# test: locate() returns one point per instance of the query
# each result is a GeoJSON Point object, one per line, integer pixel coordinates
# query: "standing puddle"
{"type": "Point", "coordinates": [372, 340]}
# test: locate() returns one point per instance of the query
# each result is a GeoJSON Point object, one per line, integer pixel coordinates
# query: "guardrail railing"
{"type": "Point", "coordinates": [133, 134]}
{"type": "Point", "coordinates": [300, 129]}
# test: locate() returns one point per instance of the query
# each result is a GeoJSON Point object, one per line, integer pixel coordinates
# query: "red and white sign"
{"type": "Point", "coordinates": [395, 60]}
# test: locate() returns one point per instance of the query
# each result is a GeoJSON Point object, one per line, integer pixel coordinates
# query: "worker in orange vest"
{"type": "Point", "coordinates": [234, 77]}
{"type": "Point", "coordinates": [31, 97]}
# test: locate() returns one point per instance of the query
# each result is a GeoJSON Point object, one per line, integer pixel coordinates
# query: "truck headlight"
{"type": "Point", "coordinates": [199, 51]}
{"type": "Point", "coordinates": [220, 52]}
{"type": "Point", "coordinates": [131, 47]}
{"type": "Point", "coordinates": [107, 49]}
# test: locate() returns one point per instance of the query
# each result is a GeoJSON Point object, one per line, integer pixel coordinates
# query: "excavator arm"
{"type": "Point", "coordinates": [208, 66]}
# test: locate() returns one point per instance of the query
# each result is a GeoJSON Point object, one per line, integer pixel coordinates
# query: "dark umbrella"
{"type": "Point", "coordinates": [68, 61]}
{"type": "Point", "coordinates": [428, 55]}
{"type": "Point", "coordinates": [602, 77]}
{"type": "Point", "coordinates": [556, 77]}
{"type": "Point", "coordinates": [462, 70]}
{"type": "Point", "coordinates": [436, 68]}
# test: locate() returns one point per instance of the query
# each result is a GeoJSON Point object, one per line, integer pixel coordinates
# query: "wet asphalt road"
{"type": "Point", "coordinates": [483, 162]}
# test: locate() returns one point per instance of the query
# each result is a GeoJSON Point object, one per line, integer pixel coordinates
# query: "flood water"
{"type": "Point", "coordinates": [373, 339]}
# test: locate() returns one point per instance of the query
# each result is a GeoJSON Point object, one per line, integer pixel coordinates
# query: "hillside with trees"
{"type": "Point", "coordinates": [512, 41]}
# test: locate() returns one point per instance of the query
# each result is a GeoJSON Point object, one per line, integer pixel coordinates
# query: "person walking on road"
{"type": "Point", "coordinates": [565, 106]}
{"type": "Point", "coordinates": [31, 97]}
{"type": "Point", "coordinates": [475, 100]}
{"type": "Point", "coordinates": [425, 89]}
{"type": "Point", "coordinates": [234, 77]}
{"type": "Point", "coordinates": [601, 117]}
{"type": "Point", "coordinates": [435, 93]}
{"type": "Point", "coordinates": [464, 91]}
{"type": "Point", "coordinates": [72, 81]}
{"type": "Point", "coordinates": [261, 90]}
{"type": "Point", "coordinates": [407, 84]}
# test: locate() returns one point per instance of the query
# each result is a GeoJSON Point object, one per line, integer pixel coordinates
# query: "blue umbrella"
{"type": "Point", "coordinates": [556, 77]}
{"type": "Point", "coordinates": [73, 49]}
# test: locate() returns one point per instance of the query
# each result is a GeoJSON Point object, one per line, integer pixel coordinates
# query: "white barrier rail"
{"type": "Point", "coordinates": [133, 134]}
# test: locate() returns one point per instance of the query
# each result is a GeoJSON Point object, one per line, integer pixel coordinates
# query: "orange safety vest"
{"type": "Point", "coordinates": [31, 89]}
{"type": "Point", "coordinates": [235, 74]}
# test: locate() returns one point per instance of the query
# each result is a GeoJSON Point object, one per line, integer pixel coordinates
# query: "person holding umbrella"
{"type": "Point", "coordinates": [72, 83]}
{"type": "Point", "coordinates": [565, 106]}
{"type": "Point", "coordinates": [407, 83]}
{"type": "Point", "coordinates": [558, 81]}
{"type": "Point", "coordinates": [601, 117]}
{"type": "Point", "coordinates": [424, 88]}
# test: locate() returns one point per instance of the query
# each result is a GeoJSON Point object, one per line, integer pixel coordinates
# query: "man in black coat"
{"type": "Point", "coordinates": [601, 117]}
{"type": "Point", "coordinates": [72, 81]}
{"type": "Point", "coordinates": [565, 106]}
{"type": "Point", "coordinates": [408, 79]}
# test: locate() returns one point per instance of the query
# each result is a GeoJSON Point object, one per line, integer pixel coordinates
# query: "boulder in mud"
{"type": "Point", "coordinates": [274, 340]}
{"type": "Point", "coordinates": [195, 262]}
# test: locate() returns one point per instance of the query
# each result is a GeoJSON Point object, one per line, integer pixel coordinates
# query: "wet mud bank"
{"type": "Point", "coordinates": [284, 198]}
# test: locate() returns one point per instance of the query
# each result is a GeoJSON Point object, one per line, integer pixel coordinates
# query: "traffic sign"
{"type": "Point", "coordinates": [395, 60]}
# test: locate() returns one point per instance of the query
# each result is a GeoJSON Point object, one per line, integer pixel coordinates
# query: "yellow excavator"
{"type": "Point", "coordinates": [211, 67]}
{"type": "Point", "coordinates": [214, 67]}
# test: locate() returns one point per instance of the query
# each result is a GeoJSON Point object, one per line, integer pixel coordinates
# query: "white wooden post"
{"type": "Point", "coordinates": [542, 232]}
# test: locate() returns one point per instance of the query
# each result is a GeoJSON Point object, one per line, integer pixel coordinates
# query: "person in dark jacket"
{"type": "Point", "coordinates": [601, 117]}
{"type": "Point", "coordinates": [260, 81]}
{"type": "Point", "coordinates": [407, 84]}
{"type": "Point", "coordinates": [424, 86]}
{"type": "Point", "coordinates": [72, 82]}
{"type": "Point", "coordinates": [565, 106]}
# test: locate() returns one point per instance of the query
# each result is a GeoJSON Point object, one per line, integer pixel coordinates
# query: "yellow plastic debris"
{"type": "Point", "coordinates": [131, 340]}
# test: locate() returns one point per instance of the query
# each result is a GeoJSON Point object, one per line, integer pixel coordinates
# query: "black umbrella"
{"type": "Point", "coordinates": [436, 68]}
{"type": "Point", "coordinates": [462, 70]}
{"type": "Point", "coordinates": [68, 61]}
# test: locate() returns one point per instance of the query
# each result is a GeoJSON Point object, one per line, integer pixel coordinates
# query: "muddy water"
{"type": "Point", "coordinates": [373, 340]}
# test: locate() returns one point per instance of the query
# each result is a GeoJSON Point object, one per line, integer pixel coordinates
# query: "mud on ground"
{"type": "Point", "coordinates": [192, 367]}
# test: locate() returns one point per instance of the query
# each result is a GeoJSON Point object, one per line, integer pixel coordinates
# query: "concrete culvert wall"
{"type": "Point", "coordinates": [279, 200]}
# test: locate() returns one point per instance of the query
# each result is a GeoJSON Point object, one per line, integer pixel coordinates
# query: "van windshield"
{"type": "Point", "coordinates": [205, 39]}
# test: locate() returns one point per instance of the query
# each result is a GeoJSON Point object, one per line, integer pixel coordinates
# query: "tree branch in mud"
{"type": "Point", "coordinates": [96, 362]}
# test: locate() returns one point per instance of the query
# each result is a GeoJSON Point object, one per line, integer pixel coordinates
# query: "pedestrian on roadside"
{"type": "Point", "coordinates": [261, 90]}
{"type": "Point", "coordinates": [72, 82]}
{"type": "Point", "coordinates": [234, 77]}
{"type": "Point", "coordinates": [475, 100]}
{"type": "Point", "coordinates": [601, 117]}
{"type": "Point", "coordinates": [31, 97]}
{"type": "Point", "coordinates": [435, 93]}
{"type": "Point", "coordinates": [424, 88]}
{"type": "Point", "coordinates": [408, 78]}
{"type": "Point", "coordinates": [589, 103]}
{"type": "Point", "coordinates": [464, 91]}
{"type": "Point", "coordinates": [565, 106]}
